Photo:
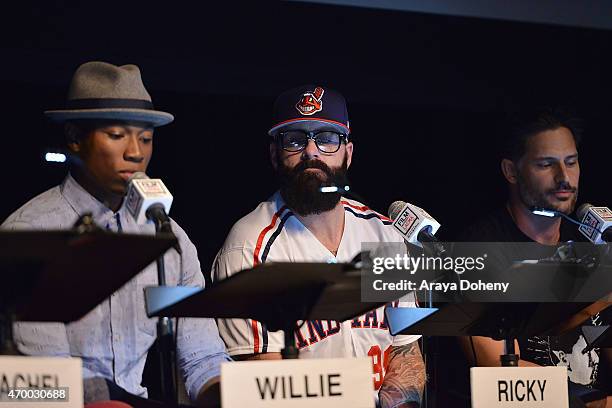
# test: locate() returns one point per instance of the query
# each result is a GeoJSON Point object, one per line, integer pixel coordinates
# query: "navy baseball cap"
{"type": "Point", "coordinates": [310, 103]}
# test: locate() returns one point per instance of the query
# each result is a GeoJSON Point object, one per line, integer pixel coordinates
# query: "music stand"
{"type": "Point", "coordinates": [598, 336]}
{"type": "Point", "coordinates": [277, 294]}
{"type": "Point", "coordinates": [59, 276]}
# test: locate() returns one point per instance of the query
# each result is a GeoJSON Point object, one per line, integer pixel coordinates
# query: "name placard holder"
{"type": "Point", "coordinates": [515, 387]}
{"type": "Point", "coordinates": [32, 382]}
{"type": "Point", "coordinates": [298, 383]}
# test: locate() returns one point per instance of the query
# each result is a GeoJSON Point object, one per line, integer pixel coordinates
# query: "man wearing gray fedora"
{"type": "Point", "coordinates": [109, 123]}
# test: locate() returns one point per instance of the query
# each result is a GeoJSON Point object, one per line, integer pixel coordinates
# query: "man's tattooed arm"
{"type": "Point", "coordinates": [405, 379]}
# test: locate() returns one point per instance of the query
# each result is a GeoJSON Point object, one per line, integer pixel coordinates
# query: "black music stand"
{"type": "Point", "coordinates": [43, 273]}
{"type": "Point", "coordinates": [500, 321]}
{"type": "Point", "coordinates": [597, 336]}
{"type": "Point", "coordinates": [276, 294]}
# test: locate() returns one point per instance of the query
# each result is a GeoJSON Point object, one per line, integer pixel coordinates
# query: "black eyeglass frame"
{"type": "Point", "coordinates": [343, 138]}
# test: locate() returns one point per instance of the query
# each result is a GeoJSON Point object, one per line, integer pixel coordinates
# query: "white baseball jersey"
{"type": "Point", "coordinates": [271, 233]}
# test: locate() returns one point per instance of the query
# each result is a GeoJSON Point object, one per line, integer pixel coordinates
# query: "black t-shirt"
{"type": "Point", "coordinates": [565, 350]}
{"type": "Point", "coordinates": [499, 226]}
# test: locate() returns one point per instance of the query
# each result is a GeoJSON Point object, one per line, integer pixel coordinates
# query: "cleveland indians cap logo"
{"type": "Point", "coordinates": [311, 102]}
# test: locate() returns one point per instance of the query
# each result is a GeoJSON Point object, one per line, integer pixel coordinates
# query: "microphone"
{"type": "Point", "coordinates": [415, 224]}
{"type": "Point", "coordinates": [597, 223]}
{"type": "Point", "coordinates": [149, 200]}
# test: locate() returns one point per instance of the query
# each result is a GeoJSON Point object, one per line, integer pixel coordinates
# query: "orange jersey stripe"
{"type": "Point", "coordinates": [364, 208]}
{"type": "Point", "coordinates": [263, 233]}
{"type": "Point", "coordinates": [254, 326]}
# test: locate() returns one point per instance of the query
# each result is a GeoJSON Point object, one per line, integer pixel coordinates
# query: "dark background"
{"type": "Point", "coordinates": [424, 93]}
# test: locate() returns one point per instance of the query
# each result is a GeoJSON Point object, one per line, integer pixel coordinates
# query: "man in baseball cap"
{"type": "Point", "coordinates": [311, 148]}
{"type": "Point", "coordinates": [109, 123]}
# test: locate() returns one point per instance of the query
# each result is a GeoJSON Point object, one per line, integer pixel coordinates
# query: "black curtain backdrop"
{"type": "Point", "coordinates": [424, 95]}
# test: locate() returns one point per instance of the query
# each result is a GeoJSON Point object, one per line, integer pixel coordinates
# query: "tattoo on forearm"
{"type": "Point", "coordinates": [405, 378]}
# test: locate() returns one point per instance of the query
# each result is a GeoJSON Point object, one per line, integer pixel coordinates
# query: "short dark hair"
{"type": "Point", "coordinates": [519, 126]}
{"type": "Point", "coordinates": [77, 130]}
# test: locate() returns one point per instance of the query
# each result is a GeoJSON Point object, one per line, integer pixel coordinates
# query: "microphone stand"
{"type": "Point", "coordinates": [509, 358]}
{"type": "Point", "coordinates": [165, 333]}
{"type": "Point", "coordinates": [432, 247]}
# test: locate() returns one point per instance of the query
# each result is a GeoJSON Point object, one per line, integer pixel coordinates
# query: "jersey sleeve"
{"type": "Point", "coordinates": [243, 336]}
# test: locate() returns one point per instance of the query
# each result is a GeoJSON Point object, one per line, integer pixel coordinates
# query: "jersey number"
{"type": "Point", "coordinates": [380, 362]}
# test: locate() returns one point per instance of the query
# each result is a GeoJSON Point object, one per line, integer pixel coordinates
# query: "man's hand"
{"type": "Point", "coordinates": [405, 379]}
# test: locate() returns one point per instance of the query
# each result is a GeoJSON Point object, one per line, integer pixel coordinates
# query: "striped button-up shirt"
{"type": "Point", "coordinates": [114, 338]}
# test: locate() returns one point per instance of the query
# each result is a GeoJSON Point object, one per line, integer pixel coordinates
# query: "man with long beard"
{"type": "Point", "coordinates": [540, 164]}
{"type": "Point", "coordinates": [310, 148]}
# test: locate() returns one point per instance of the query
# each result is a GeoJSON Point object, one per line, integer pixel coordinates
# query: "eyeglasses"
{"type": "Point", "coordinates": [296, 140]}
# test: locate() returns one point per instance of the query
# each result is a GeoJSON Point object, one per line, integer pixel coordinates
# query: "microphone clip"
{"type": "Point", "coordinates": [157, 214]}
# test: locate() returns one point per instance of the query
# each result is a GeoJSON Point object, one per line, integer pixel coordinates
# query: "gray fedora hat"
{"type": "Point", "coordinates": [100, 90]}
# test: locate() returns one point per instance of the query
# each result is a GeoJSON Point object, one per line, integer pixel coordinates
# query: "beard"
{"type": "Point", "coordinates": [531, 196]}
{"type": "Point", "coordinates": [301, 189]}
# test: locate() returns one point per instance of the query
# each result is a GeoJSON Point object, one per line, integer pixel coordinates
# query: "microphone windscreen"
{"type": "Point", "coordinates": [395, 208]}
{"type": "Point", "coordinates": [582, 210]}
{"type": "Point", "coordinates": [137, 175]}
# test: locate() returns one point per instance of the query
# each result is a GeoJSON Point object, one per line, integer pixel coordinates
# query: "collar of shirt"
{"type": "Point", "coordinates": [82, 202]}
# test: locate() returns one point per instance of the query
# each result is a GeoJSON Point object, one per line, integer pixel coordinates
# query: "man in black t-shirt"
{"type": "Point", "coordinates": [540, 164]}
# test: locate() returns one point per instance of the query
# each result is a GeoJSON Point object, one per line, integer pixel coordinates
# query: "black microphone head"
{"type": "Point", "coordinates": [137, 175]}
{"type": "Point", "coordinates": [582, 210]}
{"type": "Point", "coordinates": [395, 208]}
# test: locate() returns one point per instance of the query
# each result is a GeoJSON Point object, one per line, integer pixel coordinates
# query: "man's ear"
{"type": "Point", "coordinates": [349, 154]}
{"type": "Point", "coordinates": [274, 155]}
{"type": "Point", "coordinates": [73, 139]}
{"type": "Point", "coordinates": [508, 167]}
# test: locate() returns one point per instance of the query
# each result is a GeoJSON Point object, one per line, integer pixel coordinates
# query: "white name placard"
{"type": "Point", "coordinates": [32, 382]}
{"type": "Point", "coordinates": [298, 383]}
{"type": "Point", "coordinates": [514, 387]}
